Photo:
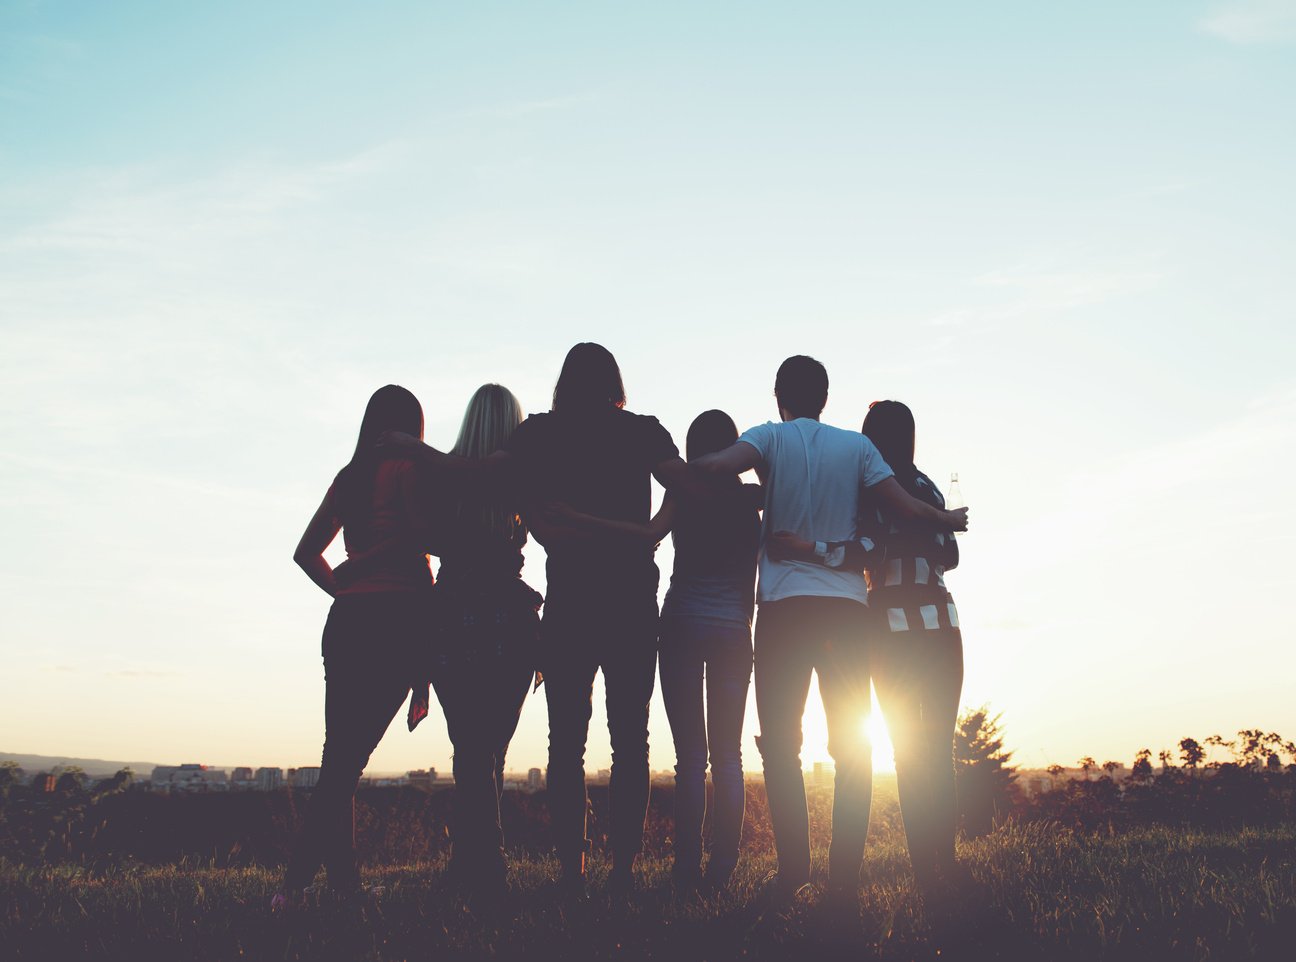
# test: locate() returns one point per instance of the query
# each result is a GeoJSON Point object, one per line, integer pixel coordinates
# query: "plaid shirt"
{"type": "Point", "coordinates": [905, 564]}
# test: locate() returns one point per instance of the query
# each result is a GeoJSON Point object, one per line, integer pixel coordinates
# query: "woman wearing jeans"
{"type": "Point", "coordinates": [487, 632]}
{"type": "Point", "coordinates": [705, 643]}
{"type": "Point", "coordinates": [374, 632]}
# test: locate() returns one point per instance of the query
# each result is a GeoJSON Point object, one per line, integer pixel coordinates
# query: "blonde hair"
{"type": "Point", "coordinates": [492, 416]}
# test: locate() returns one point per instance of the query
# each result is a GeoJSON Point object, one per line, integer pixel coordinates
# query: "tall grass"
{"type": "Point", "coordinates": [1037, 891]}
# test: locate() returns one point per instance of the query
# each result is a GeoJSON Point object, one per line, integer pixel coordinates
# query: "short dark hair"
{"type": "Point", "coordinates": [801, 386]}
{"type": "Point", "coordinates": [589, 380]}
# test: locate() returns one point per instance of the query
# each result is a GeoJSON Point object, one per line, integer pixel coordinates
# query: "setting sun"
{"type": "Point", "coordinates": [815, 735]}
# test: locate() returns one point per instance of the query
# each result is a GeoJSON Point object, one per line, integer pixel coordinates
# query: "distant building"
{"type": "Point", "coordinates": [269, 779]}
{"type": "Point", "coordinates": [823, 774]}
{"type": "Point", "coordinates": [190, 777]}
{"type": "Point", "coordinates": [422, 779]}
{"type": "Point", "coordinates": [304, 777]}
{"type": "Point", "coordinates": [535, 780]}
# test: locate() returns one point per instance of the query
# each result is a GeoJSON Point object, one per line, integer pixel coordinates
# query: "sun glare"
{"type": "Point", "coordinates": [815, 735]}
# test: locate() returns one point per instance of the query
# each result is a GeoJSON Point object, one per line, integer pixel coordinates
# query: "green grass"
{"type": "Point", "coordinates": [1039, 892]}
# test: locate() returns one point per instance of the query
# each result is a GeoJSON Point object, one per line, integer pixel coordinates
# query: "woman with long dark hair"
{"type": "Point", "coordinates": [601, 605]}
{"type": "Point", "coordinates": [374, 631]}
{"type": "Point", "coordinates": [917, 655]}
{"type": "Point", "coordinates": [705, 645]}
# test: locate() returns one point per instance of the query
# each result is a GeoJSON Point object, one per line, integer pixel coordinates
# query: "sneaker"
{"type": "Point", "coordinates": [284, 901]}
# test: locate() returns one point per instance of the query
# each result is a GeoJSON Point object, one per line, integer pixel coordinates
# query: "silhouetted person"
{"type": "Point", "coordinates": [486, 642]}
{"type": "Point", "coordinates": [918, 650]}
{"type": "Point", "coordinates": [483, 637]}
{"type": "Point", "coordinates": [374, 633]}
{"type": "Point", "coordinates": [601, 606]}
{"type": "Point", "coordinates": [813, 615]}
{"type": "Point", "coordinates": [705, 643]}
{"type": "Point", "coordinates": [600, 612]}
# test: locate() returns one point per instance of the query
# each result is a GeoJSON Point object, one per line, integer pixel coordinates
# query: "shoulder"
{"type": "Point", "coordinates": [533, 427]}
{"type": "Point", "coordinates": [646, 427]}
{"type": "Point", "coordinates": [647, 422]}
{"type": "Point", "coordinates": [762, 433]}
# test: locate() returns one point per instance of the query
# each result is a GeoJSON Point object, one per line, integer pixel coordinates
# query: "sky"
{"type": "Point", "coordinates": [1061, 233]}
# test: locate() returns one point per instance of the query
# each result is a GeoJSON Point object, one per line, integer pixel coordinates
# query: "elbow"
{"type": "Point", "coordinates": [301, 558]}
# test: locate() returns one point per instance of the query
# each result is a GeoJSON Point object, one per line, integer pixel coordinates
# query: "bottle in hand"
{"type": "Point", "coordinates": [954, 497]}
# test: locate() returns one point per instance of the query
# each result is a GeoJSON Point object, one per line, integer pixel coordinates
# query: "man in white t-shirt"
{"type": "Point", "coordinates": [813, 614]}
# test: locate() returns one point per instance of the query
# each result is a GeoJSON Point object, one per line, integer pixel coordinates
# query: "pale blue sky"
{"type": "Point", "coordinates": [1062, 235]}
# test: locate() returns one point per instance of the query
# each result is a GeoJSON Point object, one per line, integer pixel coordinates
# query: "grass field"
{"type": "Point", "coordinates": [1040, 892]}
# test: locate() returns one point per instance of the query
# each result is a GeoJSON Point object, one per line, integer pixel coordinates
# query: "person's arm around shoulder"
{"type": "Point", "coordinates": [319, 534]}
{"type": "Point", "coordinates": [651, 533]}
{"type": "Point", "coordinates": [862, 554]}
{"type": "Point", "coordinates": [901, 504]}
{"type": "Point", "coordinates": [879, 480]}
{"type": "Point", "coordinates": [450, 465]}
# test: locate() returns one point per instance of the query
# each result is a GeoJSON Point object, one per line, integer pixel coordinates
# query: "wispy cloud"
{"type": "Point", "coordinates": [1251, 22]}
{"type": "Point", "coordinates": [1039, 290]}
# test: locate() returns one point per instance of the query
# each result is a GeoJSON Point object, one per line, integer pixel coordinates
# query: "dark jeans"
{"type": "Point", "coordinates": [919, 677]}
{"type": "Point", "coordinates": [795, 636]}
{"type": "Point", "coordinates": [370, 648]}
{"type": "Point", "coordinates": [695, 654]}
{"type": "Point", "coordinates": [582, 635]}
{"type": "Point", "coordinates": [481, 700]}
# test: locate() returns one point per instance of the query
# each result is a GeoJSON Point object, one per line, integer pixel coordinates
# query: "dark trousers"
{"type": "Point", "coordinates": [580, 636]}
{"type": "Point", "coordinates": [696, 655]}
{"type": "Point", "coordinates": [794, 637]}
{"type": "Point", "coordinates": [482, 699]}
{"type": "Point", "coordinates": [369, 647]}
{"type": "Point", "coordinates": [919, 677]}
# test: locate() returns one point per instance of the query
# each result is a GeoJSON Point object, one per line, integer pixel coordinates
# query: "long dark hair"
{"type": "Point", "coordinates": [590, 381]}
{"type": "Point", "coordinates": [391, 408]}
{"type": "Point", "coordinates": [710, 431]}
{"type": "Point", "coordinates": [890, 426]}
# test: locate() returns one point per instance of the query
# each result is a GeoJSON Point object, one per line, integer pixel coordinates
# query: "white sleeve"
{"type": "Point", "coordinates": [761, 437]}
{"type": "Point", "coordinates": [873, 469]}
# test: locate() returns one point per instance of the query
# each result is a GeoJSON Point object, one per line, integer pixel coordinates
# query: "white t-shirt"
{"type": "Point", "coordinates": [814, 475]}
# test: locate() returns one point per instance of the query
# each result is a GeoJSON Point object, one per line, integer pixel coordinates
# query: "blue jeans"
{"type": "Point", "coordinates": [694, 653]}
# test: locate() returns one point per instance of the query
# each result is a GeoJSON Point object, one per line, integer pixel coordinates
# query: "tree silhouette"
{"type": "Point", "coordinates": [1142, 768]}
{"type": "Point", "coordinates": [1087, 765]}
{"type": "Point", "coordinates": [1191, 752]}
{"type": "Point", "coordinates": [986, 782]}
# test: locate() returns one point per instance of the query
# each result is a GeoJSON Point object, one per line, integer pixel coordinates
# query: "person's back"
{"type": "Point", "coordinates": [376, 513]}
{"type": "Point", "coordinates": [600, 610]}
{"type": "Point", "coordinates": [813, 475]}
{"type": "Point", "coordinates": [600, 462]}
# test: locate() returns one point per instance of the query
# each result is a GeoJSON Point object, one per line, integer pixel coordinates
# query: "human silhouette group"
{"type": "Point", "coordinates": [837, 556]}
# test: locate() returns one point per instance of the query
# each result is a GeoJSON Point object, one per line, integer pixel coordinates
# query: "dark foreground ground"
{"type": "Point", "coordinates": [1038, 892]}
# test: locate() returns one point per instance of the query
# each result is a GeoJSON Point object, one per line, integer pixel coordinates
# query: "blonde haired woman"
{"type": "Point", "coordinates": [487, 625]}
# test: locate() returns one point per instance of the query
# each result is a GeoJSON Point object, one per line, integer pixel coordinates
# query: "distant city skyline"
{"type": "Point", "coordinates": [1062, 234]}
